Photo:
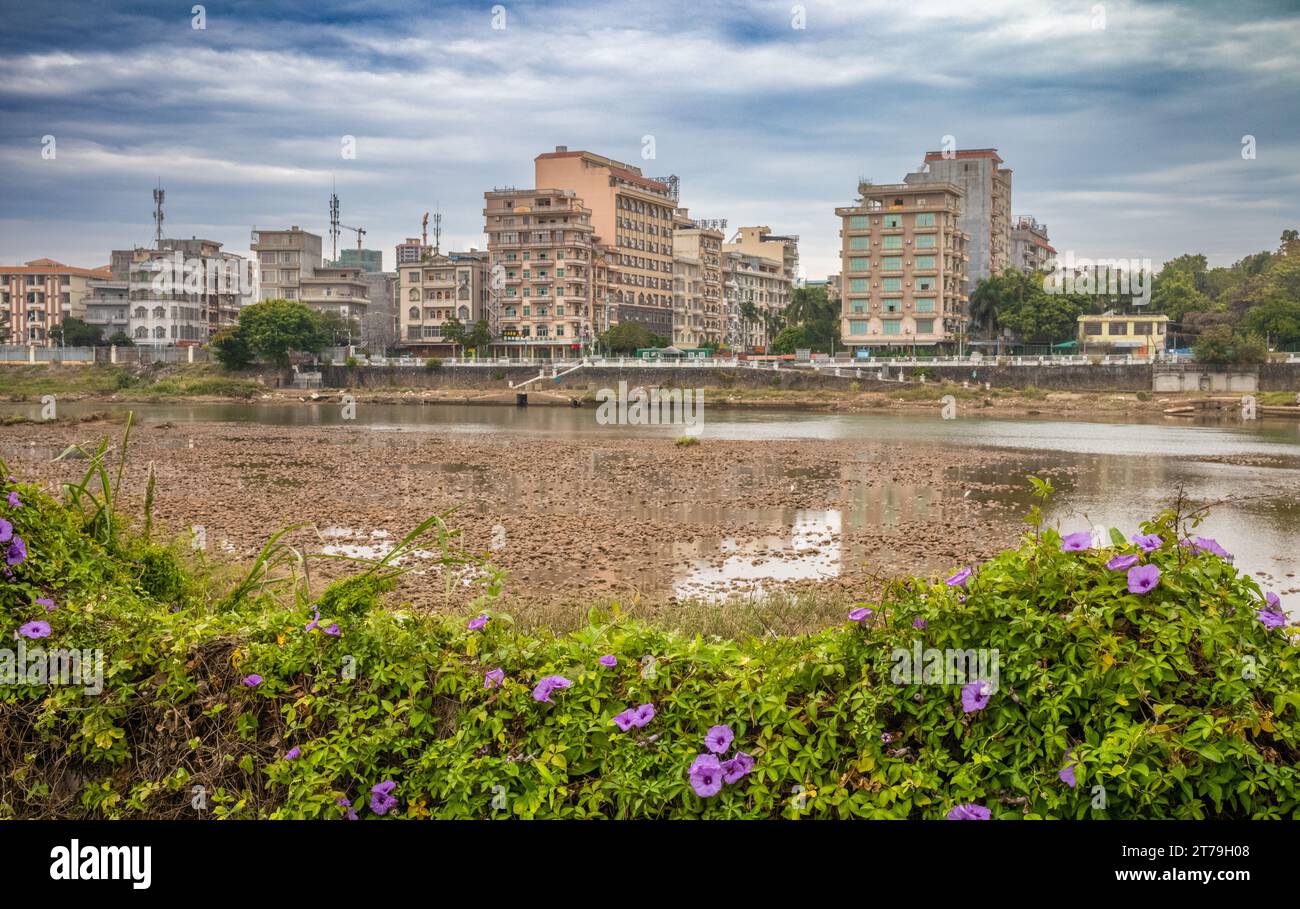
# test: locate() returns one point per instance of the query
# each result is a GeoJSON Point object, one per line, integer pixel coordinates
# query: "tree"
{"type": "Point", "coordinates": [273, 328]}
{"type": "Point", "coordinates": [629, 337]}
{"type": "Point", "coordinates": [1221, 346]}
{"type": "Point", "coordinates": [479, 337]}
{"type": "Point", "coordinates": [1277, 319]}
{"type": "Point", "coordinates": [790, 339]}
{"type": "Point", "coordinates": [453, 333]}
{"type": "Point", "coordinates": [75, 332]}
{"type": "Point", "coordinates": [1175, 293]}
{"type": "Point", "coordinates": [120, 338]}
{"type": "Point", "coordinates": [231, 348]}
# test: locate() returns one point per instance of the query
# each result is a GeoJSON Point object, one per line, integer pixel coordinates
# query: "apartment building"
{"type": "Point", "coordinates": [757, 291]}
{"type": "Point", "coordinates": [1030, 249]}
{"type": "Point", "coordinates": [37, 296]}
{"type": "Point", "coordinates": [986, 204]}
{"type": "Point", "coordinates": [761, 242]}
{"type": "Point", "coordinates": [285, 257]}
{"type": "Point", "coordinates": [540, 254]}
{"type": "Point", "coordinates": [182, 291]}
{"type": "Point", "coordinates": [341, 291]}
{"type": "Point", "coordinates": [632, 217]}
{"type": "Point", "coordinates": [108, 305]}
{"type": "Point", "coordinates": [903, 266]}
{"type": "Point", "coordinates": [699, 308]}
{"type": "Point", "coordinates": [442, 287]}
{"type": "Point", "coordinates": [364, 259]}
{"type": "Point", "coordinates": [412, 251]}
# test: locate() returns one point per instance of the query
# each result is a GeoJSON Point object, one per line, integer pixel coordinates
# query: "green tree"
{"type": "Point", "coordinates": [120, 338]}
{"type": "Point", "coordinates": [1175, 293]}
{"type": "Point", "coordinates": [1221, 346]}
{"type": "Point", "coordinates": [479, 337]}
{"type": "Point", "coordinates": [76, 332]}
{"type": "Point", "coordinates": [629, 337]}
{"type": "Point", "coordinates": [274, 328]}
{"type": "Point", "coordinates": [790, 339]}
{"type": "Point", "coordinates": [231, 348]}
{"type": "Point", "coordinates": [453, 333]}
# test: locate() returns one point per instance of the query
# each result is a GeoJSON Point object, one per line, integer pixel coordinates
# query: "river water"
{"type": "Point", "coordinates": [1120, 472]}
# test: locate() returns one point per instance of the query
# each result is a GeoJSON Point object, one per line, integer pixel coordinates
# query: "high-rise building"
{"type": "Point", "coordinates": [632, 217]}
{"type": "Point", "coordinates": [986, 204]}
{"type": "Point", "coordinates": [37, 296]}
{"type": "Point", "coordinates": [760, 241]}
{"type": "Point", "coordinates": [903, 266]}
{"type": "Point", "coordinates": [413, 250]}
{"type": "Point", "coordinates": [444, 286]}
{"type": "Point", "coordinates": [757, 292]}
{"type": "Point", "coordinates": [1030, 249]}
{"type": "Point", "coordinates": [285, 257]}
{"type": "Point", "coordinates": [540, 255]}
{"type": "Point", "coordinates": [699, 310]}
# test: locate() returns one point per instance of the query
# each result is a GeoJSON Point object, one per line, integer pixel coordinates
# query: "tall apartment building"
{"type": "Point", "coordinates": [541, 249]}
{"type": "Point", "coordinates": [632, 217]}
{"type": "Point", "coordinates": [1030, 249]}
{"type": "Point", "coordinates": [364, 259]}
{"type": "Point", "coordinates": [37, 296]}
{"type": "Point", "coordinates": [182, 292]}
{"type": "Point", "coordinates": [760, 241]}
{"type": "Point", "coordinates": [903, 266]}
{"type": "Point", "coordinates": [986, 204]}
{"type": "Point", "coordinates": [442, 287]}
{"type": "Point", "coordinates": [412, 251]}
{"type": "Point", "coordinates": [699, 308]}
{"type": "Point", "coordinates": [285, 258]}
{"type": "Point", "coordinates": [756, 289]}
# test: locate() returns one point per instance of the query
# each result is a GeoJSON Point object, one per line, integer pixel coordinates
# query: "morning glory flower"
{"type": "Point", "coordinates": [478, 623]}
{"type": "Point", "coordinates": [1077, 542]}
{"type": "Point", "coordinates": [918, 622]}
{"type": "Point", "coordinates": [644, 714]}
{"type": "Point", "coordinates": [14, 501]}
{"type": "Point", "coordinates": [494, 679]}
{"type": "Point", "coordinates": [1147, 542]}
{"type": "Point", "coordinates": [970, 813]}
{"type": "Point", "coordinates": [1206, 544]}
{"type": "Point", "coordinates": [1122, 562]}
{"type": "Point", "coordinates": [381, 797]}
{"type": "Point", "coordinates": [34, 630]}
{"type": "Point", "coordinates": [47, 603]}
{"type": "Point", "coordinates": [549, 684]}
{"type": "Point", "coordinates": [1066, 773]}
{"type": "Point", "coordinates": [625, 720]}
{"type": "Point", "coordinates": [17, 552]}
{"type": "Point", "coordinates": [1271, 618]}
{"type": "Point", "coordinates": [314, 624]}
{"type": "Point", "coordinates": [6, 531]}
{"type": "Point", "coordinates": [344, 802]}
{"type": "Point", "coordinates": [333, 631]}
{"type": "Point", "coordinates": [293, 753]}
{"type": "Point", "coordinates": [609, 661]}
{"type": "Point", "coordinates": [975, 696]}
{"type": "Point", "coordinates": [719, 739]}
{"type": "Point", "coordinates": [252, 680]}
{"type": "Point", "coordinates": [1143, 579]}
{"type": "Point", "coordinates": [959, 579]}
{"type": "Point", "coordinates": [737, 768]}
{"type": "Point", "coordinates": [706, 776]}
{"type": "Point", "coordinates": [859, 615]}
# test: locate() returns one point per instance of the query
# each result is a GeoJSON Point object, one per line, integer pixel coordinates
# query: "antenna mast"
{"type": "Point", "coordinates": [158, 195]}
{"type": "Point", "coordinates": [334, 226]}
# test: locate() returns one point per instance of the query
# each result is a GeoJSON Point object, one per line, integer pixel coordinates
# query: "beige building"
{"type": "Point", "coordinates": [541, 249]}
{"type": "Point", "coordinates": [37, 296]}
{"type": "Point", "coordinates": [1030, 250]}
{"type": "Point", "coordinates": [285, 257]}
{"type": "Point", "coordinates": [341, 291]}
{"type": "Point", "coordinates": [757, 292]}
{"type": "Point", "coordinates": [632, 216]}
{"type": "Point", "coordinates": [183, 291]}
{"type": "Point", "coordinates": [986, 204]}
{"type": "Point", "coordinates": [1140, 335]}
{"type": "Point", "coordinates": [442, 287]}
{"type": "Point", "coordinates": [699, 310]}
{"type": "Point", "coordinates": [761, 242]}
{"type": "Point", "coordinates": [903, 266]}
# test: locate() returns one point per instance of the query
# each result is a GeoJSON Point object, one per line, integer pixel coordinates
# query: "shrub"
{"type": "Point", "coordinates": [433, 364]}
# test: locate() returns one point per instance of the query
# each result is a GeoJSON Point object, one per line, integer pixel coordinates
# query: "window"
{"type": "Point", "coordinates": [1092, 328]}
{"type": "Point", "coordinates": [925, 326]}
{"type": "Point", "coordinates": [859, 306]}
{"type": "Point", "coordinates": [889, 285]}
{"type": "Point", "coordinates": [859, 242]}
{"type": "Point", "coordinates": [858, 222]}
{"type": "Point", "coordinates": [413, 313]}
{"type": "Point", "coordinates": [894, 220]}
{"type": "Point", "coordinates": [925, 283]}
{"type": "Point", "coordinates": [893, 241]}
{"type": "Point", "coordinates": [859, 285]}
{"type": "Point", "coordinates": [857, 327]}
{"type": "Point", "coordinates": [925, 219]}
{"type": "Point", "coordinates": [925, 304]}
{"type": "Point", "coordinates": [859, 264]}
{"type": "Point", "coordinates": [925, 241]}
{"type": "Point", "coordinates": [892, 305]}
{"type": "Point", "coordinates": [1117, 328]}
{"type": "Point", "coordinates": [893, 327]}
{"type": "Point", "coordinates": [925, 263]}
{"type": "Point", "coordinates": [892, 263]}
{"type": "Point", "coordinates": [140, 313]}
{"type": "Point", "coordinates": [1141, 328]}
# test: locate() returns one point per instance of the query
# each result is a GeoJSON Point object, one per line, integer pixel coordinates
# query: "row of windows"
{"type": "Point", "coordinates": [890, 222]}
{"type": "Point", "coordinates": [889, 327]}
{"type": "Point", "coordinates": [922, 304]}
{"type": "Point", "coordinates": [889, 285]}
{"type": "Point", "coordinates": [890, 263]}
{"type": "Point", "coordinates": [1123, 328]}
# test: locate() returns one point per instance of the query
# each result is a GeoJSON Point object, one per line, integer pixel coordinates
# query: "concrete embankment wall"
{"type": "Point", "coordinates": [1117, 377]}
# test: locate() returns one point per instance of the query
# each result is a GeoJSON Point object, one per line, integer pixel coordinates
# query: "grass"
{"type": "Point", "coordinates": [26, 381]}
{"type": "Point", "coordinates": [178, 381]}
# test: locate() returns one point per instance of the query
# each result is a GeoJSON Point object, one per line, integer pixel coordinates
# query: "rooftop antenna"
{"type": "Point", "coordinates": [437, 228]}
{"type": "Point", "coordinates": [158, 195]}
{"type": "Point", "coordinates": [334, 225]}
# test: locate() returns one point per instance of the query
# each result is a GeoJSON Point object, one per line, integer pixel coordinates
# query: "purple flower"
{"type": "Point", "coordinates": [478, 623]}
{"type": "Point", "coordinates": [252, 680]}
{"type": "Point", "coordinates": [1205, 544]}
{"type": "Point", "coordinates": [17, 552]}
{"type": "Point", "coordinates": [718, 739]}
{"type": "Point", "coordinates": [381, 797]}
{"type": "Point", "coordinates": [314, 624]}
{"type": "Point", "coordinates": [6, 531]}
{"type": "Point", "coordinates": [625, 720]}
{"type": "Point", "coordinates": [47, 603]}
{"type": "Point", "coordinates": [706, 776]}
{"type": "Point", "coordinates": [1143, 579]}
{"type": "Point", "coordinates": [293, 753]}
{"type": "Point", "coordinates": [494, 679]}
{"type": "Point", "coordinates": [1066, 773]}
{"type": "Point", "coordinates": [344, 802]}
{"type": "Point", "coordinates": [1271, 598]}
{"type": "Point", "coordinates": [970, 813]}
{"type": "Point", "coordinates": [1077, 542]}
{"type": "Point", "coordinates": [918, 622]}
{"type": "Point", "coordinates": [1271, 618]}
{"type": "Point", "coordinates": [643, 715]}
{"type": "Point", "coordinates": [609, 661]}
{"type": "Point", "coordinates": [737, 768]}
{"type": "Point", "coordinates": [333, 631]}
{"type": "Point", "coordinates": [1122, 562]}
{"type": "Point", "coordinates": [549, 684]}
{"type": "Point", "coordinates": [859, 615]}
{"type": "Point", "coordinates": [959, 579]}
{"type": "Point", "coordinates": [975, 696]}
{"type": "Point", "coordinates": [14, 501]}
{"type": "Point", "coordinates": [1147, 542]}
{"type": "Point", "coordinates": [34, 630]}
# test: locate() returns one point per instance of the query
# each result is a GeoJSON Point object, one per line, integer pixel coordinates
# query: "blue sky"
{"type": "Point", "coordinates": [1126, 140]}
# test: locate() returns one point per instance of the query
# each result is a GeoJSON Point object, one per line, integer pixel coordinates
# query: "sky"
{"type": "Point", "coordinates": [1125, 123]}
